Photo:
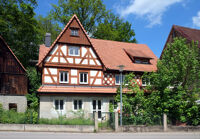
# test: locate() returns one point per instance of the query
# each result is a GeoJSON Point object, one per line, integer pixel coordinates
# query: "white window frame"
{"type": "Point", "coordinates": [123, 79]}
{"type": "Point", "coordinates": [54, 101]}
{"type": "Point", "coordinates": [77, 105]}
{"type": "Point", "coordinates": [80, 78]}
{"type": "Point", "coordinates": [74, 32]}
{"type": "Point", "coordinates": [64, 77]}
{"type": "Point", "coordinates": [74, 54]}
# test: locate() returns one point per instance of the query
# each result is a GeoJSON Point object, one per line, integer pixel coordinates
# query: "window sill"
{"type": "Point", "coordinates": [74, 36]}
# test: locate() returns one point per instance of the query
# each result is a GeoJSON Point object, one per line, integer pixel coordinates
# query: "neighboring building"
{"type": "Point", "coordinates": [81, 73]}
{"type": "Point", "coordinates": [13, 80]}
{"type": "Point", "coordinates": [188, 33]}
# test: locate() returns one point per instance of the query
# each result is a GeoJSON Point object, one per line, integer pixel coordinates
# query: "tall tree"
{"type": "Point", "coordinates": [47, 24]}
{"type": "Point", "coordinates": [176, 81]}
{"type": "Point", "coordinates": [114, 28]}
{"type": "Point", "coordinates": [19, 28]}
{"type": "Point", "coordinates": [89, 12]}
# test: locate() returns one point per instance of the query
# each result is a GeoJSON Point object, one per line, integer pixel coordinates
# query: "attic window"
{"type": "Point", "coordinates": [74, 32]}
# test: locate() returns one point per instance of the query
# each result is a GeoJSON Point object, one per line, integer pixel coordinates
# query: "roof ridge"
{"type": "Point", "coordinates": [117, 41]}
{"type": "Point", "coordinates": [186, 27]}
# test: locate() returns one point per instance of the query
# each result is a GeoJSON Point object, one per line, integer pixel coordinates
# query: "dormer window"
{"type": "Point", "coordinates": [141, 61]}
{"type": "Point", "coordinates": [74, 32]}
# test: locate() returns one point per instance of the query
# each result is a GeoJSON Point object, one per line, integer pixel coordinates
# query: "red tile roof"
{"type": "Point", "coordinates": [1, 39]}
{"type": "Point", "coordinates": [112, 54]}
{"type": "Point", "coordinates": [64, 89]}
{"type": "Point", "coordinates": [42, 51]}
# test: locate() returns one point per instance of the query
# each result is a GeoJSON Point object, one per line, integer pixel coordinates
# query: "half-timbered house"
{"type": "Point", "coordinates": [13, 80]}
{"type": "Point", "coordinates": [81, 73]}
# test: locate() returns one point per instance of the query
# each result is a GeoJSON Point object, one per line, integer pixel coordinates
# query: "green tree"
{"type": "Point", "coordinates": [47, 24]}
{"type": "Point", "coordinates": [176, 82]}
{"type": "Point", "coordinates": [114, 28]}
{"type": "Point", "coordinates": [89, 12]}
{"type": "Point", "coordinates": [19, 28]}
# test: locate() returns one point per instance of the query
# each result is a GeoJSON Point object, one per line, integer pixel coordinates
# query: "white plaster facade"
{"type": "Point", "coordinates": [47, 108]}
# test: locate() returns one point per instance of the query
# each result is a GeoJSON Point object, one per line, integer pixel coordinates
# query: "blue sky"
{"type": "Point", "coordinates": [150, 19]}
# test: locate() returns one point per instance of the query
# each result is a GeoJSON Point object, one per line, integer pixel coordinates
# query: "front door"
{"type": "Point", "coordinates": [97, 107]}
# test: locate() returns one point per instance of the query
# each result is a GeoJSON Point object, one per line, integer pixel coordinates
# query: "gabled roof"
{"type": "Point", "coordinates": [188, 33]}
{"type": "Point", "coordinates": [112, 54]}
{"type": "Point", "coordinates": [4, 42]}
{"type": "Point", "coordinates": [43, 55]}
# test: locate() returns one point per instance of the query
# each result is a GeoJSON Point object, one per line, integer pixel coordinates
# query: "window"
{"type": "Point", "coordinates": [78, 104]}
{"type": "Point", "coordinates": [74, 32]}
{"type": "Point", "coordinates": [145, 81]}
{"type": "Point", "coordinates": [141, 61]}
{"type": "Point", "coordinates": [97, 107]}
{"type": "Point", "coordinates": [64, 77]}
{"type": "Point", "coordinates": [74, 51]}
{"type": "Point", "coordinates": [117, 79]}
{"type": "Point", "coordinates": [114, 103]}
{"type": "Point", "coordinates": [13, 106]}
{"type": "Point", "coordinates": [59, 104]}
{"type": "Point", "coordinates": [83, 78]}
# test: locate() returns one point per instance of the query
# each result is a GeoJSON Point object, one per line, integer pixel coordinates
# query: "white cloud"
{"type": "Point", "coordinates": [196, 20]}
{"type": "Point", "coordinates": [151, 10]}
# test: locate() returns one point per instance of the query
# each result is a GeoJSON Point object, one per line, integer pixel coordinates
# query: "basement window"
{"type": "Point", "coordinates": [13, 106]}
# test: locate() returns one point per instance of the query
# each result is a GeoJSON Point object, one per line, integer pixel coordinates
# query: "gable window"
{"type": "Point", "coordinates": [78, 104]}
{"type": "Point", "coordinates": [74, 32]}
{"type": "Point", "coordinates": [74, 51]}
{"type": "Point", "coordinates": [59, 104]}
{"type": "Point", "coordinates": [64, 77]}
{"type": "Point", "coordinates": [83, 78]}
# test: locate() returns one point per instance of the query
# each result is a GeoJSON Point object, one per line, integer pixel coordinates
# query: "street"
{"type": "Point", "coordinates": [51, 135]}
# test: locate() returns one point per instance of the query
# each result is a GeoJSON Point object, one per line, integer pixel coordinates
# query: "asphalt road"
{"type": "Point", "coordinates": [51, 135]}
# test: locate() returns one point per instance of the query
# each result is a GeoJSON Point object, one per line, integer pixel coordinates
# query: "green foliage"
{"type": "Point", "coordinates": [114, 28]}
{"type": "Point", "coordinates": [175, 85]}
{"type": "Point", "coordinates": [19, 28]}
{"type": "Point", "coordinates": [89, 12]}
{"type": "Point", "coordinates": [96, 20]}
{"type": "Point", "coordinates": [48, 24]}
{"type": "Point", "coordinates": [11, 117]}
{"type": "Point", "coordinates": [66, 121]}
{"type": "Point", "coordinates": [33, 102]}
{"type": "Point", "coordinates": [137, 107]}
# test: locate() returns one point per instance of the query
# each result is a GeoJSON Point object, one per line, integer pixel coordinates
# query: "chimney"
{"type": "Point", "coordinates": [48, 39]}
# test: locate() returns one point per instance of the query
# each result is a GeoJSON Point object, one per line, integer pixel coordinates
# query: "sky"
{"type": "Point", "coordinates": [150, 19]}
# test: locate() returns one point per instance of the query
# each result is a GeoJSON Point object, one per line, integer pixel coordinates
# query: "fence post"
{"type": "Point", "coordinates": [116, 121]}
{"type": "Point", "coordinates": [165, 122]}
{"type": "Point", "coordinates": [96, 121]}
